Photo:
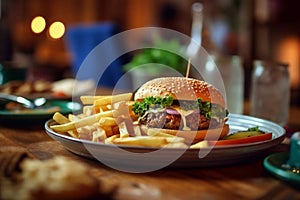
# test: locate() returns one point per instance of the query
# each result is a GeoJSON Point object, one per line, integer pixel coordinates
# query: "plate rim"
{"type": "Point", "coordinates": [223, 147]}
{"type": "Point", "coordinates": [281, 173]}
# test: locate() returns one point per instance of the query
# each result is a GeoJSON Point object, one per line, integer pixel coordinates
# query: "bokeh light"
{"type": "Point", "coordinates": [56, 30]}
{"type": "Point", "coordinates": [38, 24]}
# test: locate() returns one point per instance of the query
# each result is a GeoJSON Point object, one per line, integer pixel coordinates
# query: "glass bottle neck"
{"type": "Point", "coordinates": [197, 23]}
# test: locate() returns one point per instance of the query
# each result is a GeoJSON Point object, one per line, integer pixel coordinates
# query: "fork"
{"type": "Point", "coordinates": [24, 101]}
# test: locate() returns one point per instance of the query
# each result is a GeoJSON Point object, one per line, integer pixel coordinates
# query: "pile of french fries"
{"type": "Point", "coordinates": [110, 120]}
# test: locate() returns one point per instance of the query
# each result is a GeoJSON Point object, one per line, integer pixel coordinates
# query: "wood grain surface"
{"type": "Point", "coordinates": [248, 180]}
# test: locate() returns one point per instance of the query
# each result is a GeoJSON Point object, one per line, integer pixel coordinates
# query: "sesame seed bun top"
{"type": "Point", "coordinates": [180, 88]}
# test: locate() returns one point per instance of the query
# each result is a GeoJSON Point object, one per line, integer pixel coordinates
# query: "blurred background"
{"type": "Point", "coordinates": [252, 29]}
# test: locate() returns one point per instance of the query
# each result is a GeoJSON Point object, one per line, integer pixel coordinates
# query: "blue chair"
{"type": "Point", "coordinates": [91, 63]}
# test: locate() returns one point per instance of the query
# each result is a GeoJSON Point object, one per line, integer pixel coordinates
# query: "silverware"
{"type": "Point", "coordinates": [24, 101]}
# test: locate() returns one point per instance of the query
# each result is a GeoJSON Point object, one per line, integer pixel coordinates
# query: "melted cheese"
{"type": "Point", "coordinates": [184, 114]}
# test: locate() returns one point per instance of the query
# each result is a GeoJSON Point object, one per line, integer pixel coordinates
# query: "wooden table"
{"type": "Point", "coordinates": [247, 180]}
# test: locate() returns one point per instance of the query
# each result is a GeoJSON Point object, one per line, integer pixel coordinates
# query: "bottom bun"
{"type": "Point", "coordinates": [196, 136]}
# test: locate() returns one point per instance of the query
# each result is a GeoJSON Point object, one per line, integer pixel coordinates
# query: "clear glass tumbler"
{"type": "Point", "coordinates": [232, 72]}
{"type": "Point", "coordinates": [270, 91]}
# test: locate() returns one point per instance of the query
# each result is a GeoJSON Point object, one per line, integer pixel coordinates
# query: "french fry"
{"type": "Point", "coordinates": [146, 141]}
{"type": "Point", "coordinates": [109, 130]}
{"type": "Point", "coordinates": [60, 118]}
{"type": "Point", "coordinates": [73, 133]}
{"type": "Point", "coordinates": [89, 99]}
{"type": "Point", "coordinates": [108, 100]}
{"type": "Point", "coordinates": [110, 119]}
{"type": "Point", "coordinates": [123, 130]}
{"type": "Point", "coordinates": [123, 110]}
{"type": "Point", "coordinates": [88, 110]}
{"type": "Point", "coordinates": [120, 105]}
{"type": "Point", "coordinates": [73, 117]}
{"type": "Point", "coordinates": [144, 129]}
{"type": "Point", "coordinates": [99, 135]}
{"type": "Point", "coordinates": [86, 132]}
{"type": "Point", "coordinates": [110, 140]}
{"type": "Point", "coordinates": [170, 138]}
{"type": "Point", "coordinates": [155, 132]}
{"type": "Point", "coordinates": [177, 145]}
{"type": "Point", "coordinates": [174, 139]}
{"type": "Point", "coordinates": [107, 121]}
{"type": "Point", "coordinates": [81, 122]}
{"type": "Point", "coordinates": [137, 131]}
{"type": "Point", "coordinates": [103, 108]}
{"type": "Point", "coordinates": [201, 144]}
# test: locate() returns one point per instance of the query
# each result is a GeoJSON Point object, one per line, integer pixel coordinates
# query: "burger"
{"type": "Point", "coordinates": [185, 107]}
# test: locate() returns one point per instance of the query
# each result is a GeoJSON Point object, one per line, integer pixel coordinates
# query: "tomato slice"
{"type": "Point", "coordinates": [252, 139]}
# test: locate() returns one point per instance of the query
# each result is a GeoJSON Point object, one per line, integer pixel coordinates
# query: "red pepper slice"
{"type": "Point", "coordinates": [252, 139]}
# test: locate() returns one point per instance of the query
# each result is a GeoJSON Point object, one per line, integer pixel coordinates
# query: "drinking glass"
{"type": "Point", "coordinates": [270, 91]}
{"type": "Point", "coordinates": [232, 72]}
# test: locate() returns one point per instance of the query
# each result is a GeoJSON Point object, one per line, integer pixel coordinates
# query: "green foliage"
{"type": "Point", "coordinates": [164, 52]}
{"type": "Point", "coordinates": [206, 108]}
{"type": "Point", "coordinates": [140, 108]}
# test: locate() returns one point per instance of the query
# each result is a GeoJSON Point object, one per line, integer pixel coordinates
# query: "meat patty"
{"type": "Point", "coordinates": [175, 122]}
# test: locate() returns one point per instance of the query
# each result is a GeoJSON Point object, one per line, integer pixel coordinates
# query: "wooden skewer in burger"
{"type": "Point", "coordinates": [182, 106]}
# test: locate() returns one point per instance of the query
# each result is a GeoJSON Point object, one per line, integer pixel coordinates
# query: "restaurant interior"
{"type": "Point", "coordinates": [252, 30]}
{"type": "Point", "coordinates": [265, 29]}
{"type": "Point", "coordinates": [58, 41]}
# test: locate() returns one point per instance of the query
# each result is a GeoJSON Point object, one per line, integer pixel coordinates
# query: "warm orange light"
{"type": "Point", "coordinates": [38, 24]}
{"type": "Point", "coordinates": [289, 51]}
{"type": "Point", "coordinates": [56, 30]}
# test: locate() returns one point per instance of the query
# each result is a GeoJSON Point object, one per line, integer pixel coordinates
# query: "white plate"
{"type": "Point", "coordinates": [142, 159]}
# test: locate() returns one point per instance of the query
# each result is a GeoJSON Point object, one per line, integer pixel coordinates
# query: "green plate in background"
{"type": "Point", "coordinates": [38, 116]}
{"type": "Point", "coordinates": [275, 163]}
